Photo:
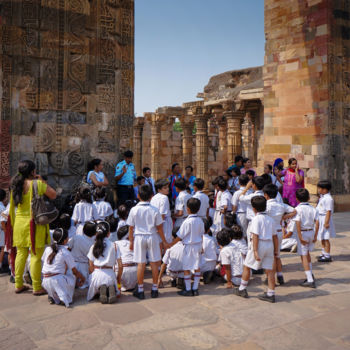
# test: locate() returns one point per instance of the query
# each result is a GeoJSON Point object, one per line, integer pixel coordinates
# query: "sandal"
{"type": "Point", "coordinates": [21, 290]}
{"type": "Point", "coordinates": [39, 292]}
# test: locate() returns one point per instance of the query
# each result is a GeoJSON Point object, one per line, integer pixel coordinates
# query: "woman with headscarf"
{"type": "Point", "coordinates": [278, 166]}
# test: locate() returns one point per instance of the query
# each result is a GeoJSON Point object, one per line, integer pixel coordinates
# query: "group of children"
{"type": "Point", "coordinates": [229, 235]}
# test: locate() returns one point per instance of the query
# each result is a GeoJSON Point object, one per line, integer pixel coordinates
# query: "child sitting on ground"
{"type": "Point", "coordinates": [209, 254]}
{"type": "Point", "coordinates": [103, 256]}
{"type": "Point", "coordinates": [104, 209]}
{"type": "Point", "coordinates": [123, 213]}
{"type": "Point", "coordinates": [67, 223]}
{"type": "Point", "coordinates": [56, 260]}
{"type": "Point", "coordinates": [113, 226]}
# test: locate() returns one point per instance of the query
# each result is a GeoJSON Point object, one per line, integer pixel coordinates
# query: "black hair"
{"type": "Point", "coordinates": [180, 184]}
{"type": "Point", "coordinates": [128, 154]}
{"type": "Point", "coordinates": [175, 231]}
{"type": "Point", "coordinates": [139, 178]}
{"type": "Point", "coordinates": [211, 203]}
{"type": "Point", "coordinates": [124, 230]}
{"type": "Point", "coordinates": [65, 221]}
{"type": "Point", "coordinates": [325, 184]}
{"type": "Point", "coordinates": [237, 171]}
{"type": "Point", "coordinates": [58, 238]}
{"type": "Point", "coordinates": [102, 230]}
{"type": "Point", "coordinates": [189, 167]}
{"type": "Point", "coordinates": [145, 169]}
{"type": "Point", "coordinates": [250, 172]}
{"type": "Point", "coordinates": [44, 178]}
{"type": "Point", "coordinates": [174, 166]}
{"type": "Point", "coordinates": [267, 179]}
{"type": "Point", "coordinates": [271, 190]}
{"type": "Point", "coordinates": [243, 179]}
{"type": "Point", "coordinates": [237, 232]}
{"type": "Point", "coordinates": [25, 169]}
{"type": "Point", "coordinates": [302, 195]}
{"type": "Point", "coordinates": [245, 160]}
{"type": "Point", "coordinates": [238, 158]}
{"type": "Point", "coordinates": [199, 183]}
{"type": "Point", "coordinates": [93, 163]}
{"type": "Point", "coordinates": [208, 222]}
{"type": "Point", "coordinates": [228, 172]}
{"type": "Point", "coordinates": [84, 193]}
{"type": "Point", "coordinates": [224, 237]}
{"type": "Point", "coordinates": [159, 184]}
{"type": "Point", "coordinates": [259, 182]}
{"type": "Point", "coordinates": [145, 192]}
{"type": "Point", "coordinates": [100, 193]}
{"type": "Point", "coordinates": [216, 180]}
{"type": "Point", "coordinates": [230, 219]}
{"type": "Point", "coordinates": [269, 166]}
{"type": "Point", "coordinates": [113, 223]}
{"type": "Point", "coordinates": [2, 194]}
{"type": "Point", "coordinates": [123, 211]}
{"type": "Point", "coordinates": [285, 200]}
{"type": "Point", "coordinates": [222, 184]}
{"type": "Point", "coordinates": [194, 205]}
{"type": "Point", "coordinates": [291, 160]}
{"type": "Point", "coordinates": [259, 203]}
{"type": "Point", "coordinates": [89, 228]}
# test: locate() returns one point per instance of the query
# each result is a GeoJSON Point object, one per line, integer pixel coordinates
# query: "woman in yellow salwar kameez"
{"type": "Point", "coordinates": [26, 235]}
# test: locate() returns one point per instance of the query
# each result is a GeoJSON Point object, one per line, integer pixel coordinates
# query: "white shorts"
{"type": "Point", "coordinates": [279, 238]}
{"type": "Point", "coordinates": [192, 256]}
{"type": "Point", "coordinates": [146, 245]}
{"type": "Point", "coordinates": [308, 236]}
{"type": "Point", "coordinates": [325, 233]}
{"type": "Point", "coordinates": [265, 251]}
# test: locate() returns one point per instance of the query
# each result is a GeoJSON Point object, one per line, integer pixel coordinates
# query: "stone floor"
{"type": "Point", "coordinates": [301, 318]}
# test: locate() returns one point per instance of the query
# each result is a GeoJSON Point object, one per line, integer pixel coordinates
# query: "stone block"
{"type": "Point", "coordinates": [277, 149]}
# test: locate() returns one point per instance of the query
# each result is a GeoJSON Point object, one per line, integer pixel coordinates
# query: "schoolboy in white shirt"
{"type": "Point", "coordinates": [181, 202]}
{"type": "Point", "coordinates": [325, 208]}
{"type": "Point", "coordinates": [262, 251]}
{"type": "Point", "coordinates": [225, 201]}
{"type": "Point", "coordinates": [307, 227]}
{"type": "Point", "coordinates": [198, 187]}
{"type": "Point", "coordinates": [191, 234]}
{"type": "Point", "coordinates": [144, 222]}
{"type": "Point", "coordinates": [209, 253]}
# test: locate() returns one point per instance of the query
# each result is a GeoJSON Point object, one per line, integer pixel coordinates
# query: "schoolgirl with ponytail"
{"type": "Point", "coordinates": [57, 263]}
{"type": "Point", "coordinates": [103, 256]}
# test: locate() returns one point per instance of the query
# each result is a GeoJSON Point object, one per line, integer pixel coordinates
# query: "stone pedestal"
{"type": "Point", "coordinates": [187, 125]}
{"type": "Point", "coordinates": [137, 142]}
{"type": "Point", "coordinates": [234, 136]}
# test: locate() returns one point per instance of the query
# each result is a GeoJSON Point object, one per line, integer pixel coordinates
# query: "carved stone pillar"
{"type": "Point", "coordinates": [247, 137]}
{"type": "Point", "coordinates": [137, 143]}
{"type": "Point", "coordinates": [201, 119]}
{"type": "Point", "coordinates": [156, 124]}
{"type": "Point", "coordinates": [234, 136]}
{"type": "Point", "coordinates": [187, 125]}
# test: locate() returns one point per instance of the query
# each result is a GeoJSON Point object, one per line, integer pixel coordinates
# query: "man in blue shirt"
{"type": "Point", "coordinates": [176, 174]}
{"type": "Point", "coordinates": [125, 175]}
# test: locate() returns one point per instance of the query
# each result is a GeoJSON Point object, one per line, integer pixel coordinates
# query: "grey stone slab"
{"type": "Point", "coordinates": [14, 339]}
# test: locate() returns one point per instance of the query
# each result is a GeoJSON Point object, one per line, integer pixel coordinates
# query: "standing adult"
{"type": "Point", "coordinates": [125, 176]}
{"type": "Point", "coordinates": [278, 167]}
{"type": "Point", "coordinates": [238, 163]}
{"type": "Point", "coordinates": [189, 177]}
{"type": "Point", "coordinates": [293, 180]}
{"type": "Point", "coordinates": [95, 175]}
{"type": "Point", "coordinates": [247, 165]}
{"type": "Point", "coordinates": [25, 234]}
{"type": "Point", "coordinates": [176, 174]}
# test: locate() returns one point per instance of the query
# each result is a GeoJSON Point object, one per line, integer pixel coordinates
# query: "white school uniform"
{"type": "Point", "coordinates": [145, 218]}
{"type": "Point", "coordinates": [326, 203]}
{"type": "Point", "coordinates": [241, 210]}
{"type": "Point", "coordinates": [82, 213]}
{"type": "Point", "coordinates": [161, 202]}
{"type": "Point", "coordinates": [103, 276]}
{"type": "Point", "coordinates": [292, 240]}
{"type": "Point", "coordinates": [104, 209]}
{"type": "Point", "coordinates": [2, 233]}
{"type": "Point", "coordinates": [217, 215]}
{"type": "Point", "coordinates": [72, 230]}
{"type": "Point", "coordinates": [181, 205]}
{"type": "Point", "coordinates": [307, 215]}
{"type": "Point", "coordinates": [129, 276]}
{"type": "Point", "coordinates": [173, 258]}
{"type": "Point", "coordinates": [203, 210]}
{"type": "Point", "coordinates": [209, 255]}
{"type": "Point", "coordinates": [150, 181]}
{"type": "Point", "coordinates": [263, 226]}
{"type": "Point", "coordinates": [225, 201]}
{"type": "Point", "coordinates": [191, 233]}
{"type": "Point", "coordinates": [60, 285]}
{"type": "Point", "coordinates": [79, 247]}
{"type": "Point", "coordinates": [231, 255]}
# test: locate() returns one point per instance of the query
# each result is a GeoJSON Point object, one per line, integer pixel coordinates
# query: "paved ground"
{"type": "Point", "coordinates": [301, 318]}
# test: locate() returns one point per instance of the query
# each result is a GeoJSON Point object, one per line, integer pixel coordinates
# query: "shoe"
{"type": "Point", "coordinates": [21, 290]}
{"type": "Point", "coordinates": [112, 296]}
{"type": "Point", "coordinates": [138, 295]}
{"type": "Point", "coordinates": [154, 293]}
{"type": "Point", "coordinates": [195, 292]}
{"type": "Point", "coordinates": [39, 292]}
{"type": "Point", "coordinates": [51, 301]}
{"type": "Point", "coordinates": [280, 280]}
{"type": "Point", "coordinates": [324, 259]}
{"type": "Point", "coordinates": [103, 294]}
{"type": "Point", "coordinates": [308, 284]}
{"type": "Point", "coordinates": [294, 248]}
{"type": "Point", "coordinates": [180, 283]}
{"type": "Point", "coordinates": [207, 277]}
{"type": "Point", "coordinates": [265, 297]}
{"type": "Point", "coordinates": [241, 293]}
{"type": "Point", "coordinates": [312, 277]}
{"type": "Point", "coordinates": [258, 272]}
{"type": "Point", "coordinates": [12, 279]}
{"type": "Point", "coordinates": [173, 282]}
{"type": "Point", "coordinates": [185, 293]}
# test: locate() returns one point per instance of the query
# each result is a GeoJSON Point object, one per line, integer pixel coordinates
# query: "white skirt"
{"type": "Point", "coordinates": [207, 265]}
{"type": "Point", "coordinates": [83, 268]}
{"type": "Point", "coordinates": [80, 229]}
{"type": "Point", "coordinates": [101, 277]}
{"type": "Point", "coordinates": [325, 233]}
{"type": "Point", "coordinates": [129, 277]}
{"type": "Point", "coordinates": [60, 288]}
{"type": "Point", "coordinates": [288, 243]}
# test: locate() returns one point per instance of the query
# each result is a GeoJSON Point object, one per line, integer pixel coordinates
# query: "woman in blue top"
{"type": "Point", "coordinates": [95, 175]}
{"type": "Point", "coordinates": [189, 177]}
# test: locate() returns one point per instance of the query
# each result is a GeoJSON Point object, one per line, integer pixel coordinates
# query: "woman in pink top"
{"type": "Point", "coordinates": [293, 180]}
{"type": "Point", "coordinates": [247, 165]}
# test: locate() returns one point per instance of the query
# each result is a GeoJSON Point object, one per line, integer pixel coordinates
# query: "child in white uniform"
{"type": "Point", "coordinates": [289, 239]}
{"type": "Point", "coordinates": [129, 276]}
{"type": "Point", "coordinates": [104, 209]}
{"type": "Point", "coordinates": [123, 213]}
{"type": "Point", "coordinates": [144, 222]}
{"type": "Point", "coordinates": [113, 226]}
{"type": "Point", "coordinates": [325, 208]}
{"type": "Point", "coordinates": [198, 187]}
{"type": "Point", "coordinates": [161, 202]}
{"type": "Point", "coordinates": [67, 223]}
{"type": "Point", "coordinates": [84, 210]}
{"type": "Point", "coordinates": [262, 250]}
{"type": "Point", "coordinates": [307, 226]}
{"type": "Point", "coordinates": [56, 260]}
{"type": "Point", "coordinates": [191, 234]}
{"type": "Point", "coordinates": [103, 256]}
{"type": "Point", "coordinates": [79, 247]}
{"type": "Point", "coordinates": [209, 253]}
{"type": "Point", "coordinates": [225, 202]}
{"type": "Point", "coordinates": [181, 202]}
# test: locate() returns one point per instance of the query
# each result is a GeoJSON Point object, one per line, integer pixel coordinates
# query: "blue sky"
{"type": "Point", "coordinates": [180, 44]}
